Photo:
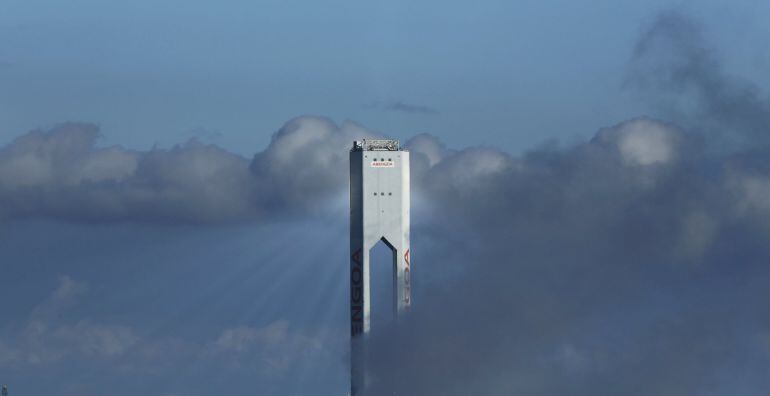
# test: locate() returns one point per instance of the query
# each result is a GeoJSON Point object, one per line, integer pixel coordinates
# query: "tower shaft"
{"type": "Point", "coordinates": [379, 211]}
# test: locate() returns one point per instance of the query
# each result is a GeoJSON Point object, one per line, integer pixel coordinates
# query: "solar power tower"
{"type": "Point", "coordinates": [379, 211]}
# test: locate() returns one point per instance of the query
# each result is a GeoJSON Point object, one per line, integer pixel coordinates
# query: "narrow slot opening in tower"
{"type": "Point", "coordinates": [382, 287]}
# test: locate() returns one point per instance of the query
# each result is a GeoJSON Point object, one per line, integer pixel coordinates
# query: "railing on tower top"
{"type": "Point", "coordinates": [376, 145]}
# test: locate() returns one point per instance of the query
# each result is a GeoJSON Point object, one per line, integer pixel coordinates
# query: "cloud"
{"type": "Point", "coordinates": [203, 134]}
{"type": "Point", "coordinates": [429, 147]}
{"type": "Point", "coordinates": [596, 266]}
{"type": "Point", "coordinates": [54, 336]}
{"type": "Point", "coordinates": [46, 339]}
{"type": "Point", "coordinates": [601, 265]}
{"type": "Point", "coordinates": [402, 107]}
{"type": "Point", "coordinates": [66, 293]}
{"type": "Point", "coordinates": [642, 141]}
{"type": "Point", "coordinates": [411, 108]}
{"type": "Point", "coordinates": [277, 347]}
{"type": "Point", "coordinates": [243, 338]}
{"type": "Point", "coordinates": [62, 173]}
{"type": "Point", "coordinates": [621, 265]}
{"type": "Point", "coordinates": [675, 67]}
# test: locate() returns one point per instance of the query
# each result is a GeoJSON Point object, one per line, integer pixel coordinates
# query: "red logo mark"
{"type": "Point", "coordinates": [356, 256]}
{"type": "Point", "coordinates": [406, 257]}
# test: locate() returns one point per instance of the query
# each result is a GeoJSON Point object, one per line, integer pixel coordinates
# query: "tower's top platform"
{"type": "Point", "coordinates": [375, 145]}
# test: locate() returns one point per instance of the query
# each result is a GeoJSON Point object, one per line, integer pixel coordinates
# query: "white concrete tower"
{"type": "Point", "coordinates": [379, 210]}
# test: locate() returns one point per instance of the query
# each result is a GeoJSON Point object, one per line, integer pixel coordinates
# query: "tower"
{"type": "Point", "coordinates": [379, 211]}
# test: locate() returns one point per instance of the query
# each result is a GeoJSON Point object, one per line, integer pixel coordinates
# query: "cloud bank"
{"type": "Point", "coordinates": [54, 334]}
{"type": "Point", "coordinates": [61, 173]}
{"type": "Point", "coordinates": [634, 263]}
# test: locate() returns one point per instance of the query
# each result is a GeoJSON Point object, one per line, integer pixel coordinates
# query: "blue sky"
{"type": "Point", "coordinates": [176, 223]}
{"type": "Point", "coordinates": [163, 71]}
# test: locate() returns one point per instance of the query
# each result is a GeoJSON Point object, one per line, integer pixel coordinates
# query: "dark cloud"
{"type": "Point", "coordinates": [622, 265]}
{"type": "Point", "coordinates": [628, 264]}
{"type": "Point", "coordinates": [674, 65]}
